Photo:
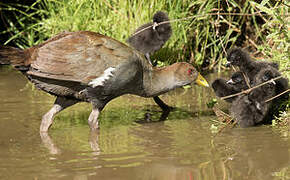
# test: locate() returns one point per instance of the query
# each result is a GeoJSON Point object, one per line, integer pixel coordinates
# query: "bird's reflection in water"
{"type": "Point", "coordinates": [53, 149]}
{"type": "Point", "coordinates": [149, 116]}
{"type": "Point", "coordinates": [94, 142]}
{"type": "Point", "coordinates": [94, 134]}
{"type": "Point", "coordinates": [159, 150]}
{"type": "Point", "coordinates": [49, 144]}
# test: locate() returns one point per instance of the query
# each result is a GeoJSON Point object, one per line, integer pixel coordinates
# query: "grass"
{"type": "Point", "coordinates": [117, 19]}
{"type": "Point", "coordinates": [201, 40]}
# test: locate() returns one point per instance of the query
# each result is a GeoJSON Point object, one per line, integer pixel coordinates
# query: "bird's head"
{"type": "Point", "coordinates": [236, 78]}
{"type": "Point", "coordinates": [160, 16]}
{"type": "Point", "coordinates": [186, 74]}
{"type": "Point", "coordinates": [236, 57]}
{"type": "Point", "coordinates": [266, 75]}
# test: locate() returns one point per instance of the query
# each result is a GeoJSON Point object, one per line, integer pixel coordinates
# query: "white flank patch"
{"type": "Point", "coordinates": [100, 80]}
{"type": "Point", "coordinates": [89, 59]}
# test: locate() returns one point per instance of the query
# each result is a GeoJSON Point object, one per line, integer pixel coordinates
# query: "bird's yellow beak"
{"type": "Point", "coordinates": [200, 80]}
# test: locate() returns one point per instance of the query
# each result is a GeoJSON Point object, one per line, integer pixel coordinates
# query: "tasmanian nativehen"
{"type": "Point", "coordinates": [90, 67]}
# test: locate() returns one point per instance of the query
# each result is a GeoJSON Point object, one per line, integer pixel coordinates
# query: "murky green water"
{"type": "Point", "coordinates": [128, 146]}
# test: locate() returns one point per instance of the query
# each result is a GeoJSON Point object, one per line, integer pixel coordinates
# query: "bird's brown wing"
{"type": "Point", "coordinates": [80, 57]}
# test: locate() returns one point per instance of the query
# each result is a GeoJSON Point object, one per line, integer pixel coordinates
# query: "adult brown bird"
{"type": "Point", "coordinates": [90, 67]}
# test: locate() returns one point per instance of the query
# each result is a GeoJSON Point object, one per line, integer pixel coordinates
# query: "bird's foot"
{"type": "Point", "coordinates": [94, 126]}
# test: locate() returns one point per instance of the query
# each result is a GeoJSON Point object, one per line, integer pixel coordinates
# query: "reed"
{"type": "Point", "coordinates": [202, 39]}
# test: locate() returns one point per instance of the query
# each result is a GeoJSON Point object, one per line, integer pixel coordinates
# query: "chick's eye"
{"type": "Point", "coordinates": [265, 78]}
{"type": "Point", "coordinates": [238, 80]}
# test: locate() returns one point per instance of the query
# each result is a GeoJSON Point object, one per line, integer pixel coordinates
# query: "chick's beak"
{"type": "Point", "coordinates": [228, 64]}
{"type": "Point", "coordinates": [230, 81]}
{"type": "Point", "coordinates": [273, 82]}
{"type": "Point", "coordinates": [201, 81]}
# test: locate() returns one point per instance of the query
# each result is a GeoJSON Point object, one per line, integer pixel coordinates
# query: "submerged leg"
{"type": "Point", "coordinates": [60, 104]}
{"type": "Point", "coordinates": [93, 118]}
{"type": "Point", "coordinates": [161, 104]}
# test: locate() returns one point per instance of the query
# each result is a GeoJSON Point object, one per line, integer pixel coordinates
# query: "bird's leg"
{"type": "Point", "coordinates": [147, 55]}
{"type": "Point", "coordinates": [48, 117]}
{"type": "Point", "coordinates": [161, 104]}
{"type": "Point", "coordinates": [93, 118]}
{"type": "Point", "coordinates": [60, 104]}
{"type": "Point", "coordinates": [164, 115]}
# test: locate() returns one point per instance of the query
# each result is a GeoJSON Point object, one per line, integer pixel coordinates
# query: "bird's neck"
{"type": "Point", "coordinates": [157, 81]}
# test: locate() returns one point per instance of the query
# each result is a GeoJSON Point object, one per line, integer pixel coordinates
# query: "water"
{"type": "Point", "coordinates": [129, 145]}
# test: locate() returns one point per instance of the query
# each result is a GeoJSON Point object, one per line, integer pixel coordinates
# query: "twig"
{"type": "Point", "coordinates": [255, 45]}
{"type": "Point", "coordinates": [284, 3]}
{"type": "Point", "coordinates": [224, 118]}
{"type": "Point", "coordinates": [5, 24]}
{"type": "Point", "coordinates": [286, 69]}
{"type": "Point", "coordinates": [250, 89]}
{"type": "Point", "coordinates": [258, 13]}
{"type": "Point", "coordinates": [114, 9]}
{"type": "Point", "coordinates": [247, 80]}
{"type": "Point", "coordinates": [277, 95]}
{"type": "Point", "coordinates": [234, 68]}
{"type": "Point", "coordinates": [196, 16]}
{"type": "Point", "coordinates": [233, 27]}
{"type": "Point", "coordinates": [226, 125]}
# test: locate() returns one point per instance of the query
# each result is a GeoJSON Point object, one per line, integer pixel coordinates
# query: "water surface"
{"type": "Point", "coordinates": [132, 143]}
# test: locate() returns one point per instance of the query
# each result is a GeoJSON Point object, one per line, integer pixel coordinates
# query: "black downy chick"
{"type": "Point", "coordinates": [242, 59]}
{"type": "Point", "coordinates": [234, 85]}
{"type": "Point", "coordinates": [279, 103]}
{"type": "Point", "coordinates": [251, 109]}
{"type": "Point", "coordinates": [153, 38]}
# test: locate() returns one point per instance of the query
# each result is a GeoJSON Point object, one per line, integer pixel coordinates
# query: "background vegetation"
{"type": "Point", "coordinates": [202, 39]}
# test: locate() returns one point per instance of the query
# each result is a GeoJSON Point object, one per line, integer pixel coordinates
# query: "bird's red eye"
{"type": "Point", "coordinates": [189, 71]}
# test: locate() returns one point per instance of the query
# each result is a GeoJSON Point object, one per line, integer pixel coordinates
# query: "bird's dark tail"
{"type": "Point", "coordinates": [13, 56]}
